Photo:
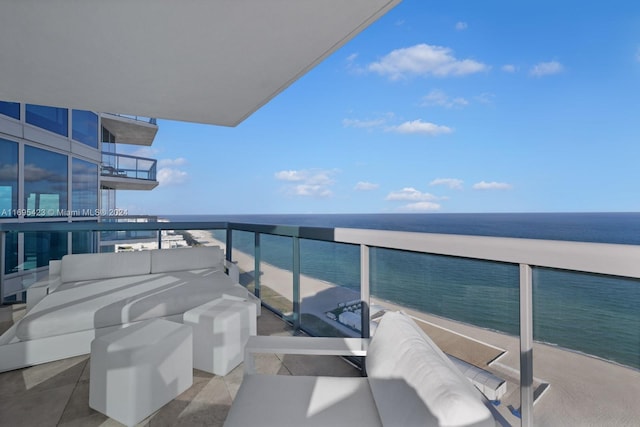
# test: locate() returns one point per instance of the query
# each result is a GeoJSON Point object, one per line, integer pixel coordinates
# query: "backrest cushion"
{"type": "Point", "coordinates": [164, 260]}
{"type": "Point", "coordinates": [400, 350]}
{"type": "Point", "coordinates": [79, 267]}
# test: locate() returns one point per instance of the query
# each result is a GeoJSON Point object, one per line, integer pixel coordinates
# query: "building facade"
{"type": "Point", "coordinates": [62, 165]}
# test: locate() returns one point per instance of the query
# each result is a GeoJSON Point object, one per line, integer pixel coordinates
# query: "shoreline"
{"type": "Point", "coordinates": [577, 382]}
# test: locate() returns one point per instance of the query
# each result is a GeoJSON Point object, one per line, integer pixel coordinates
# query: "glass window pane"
{"type": "Point", "coordinates": [84, 126]}
{"type": "Point", "coordinates": [45, 183]}
{"type": "Point", "coordinates": [11, 254]}
{"type": "Point", "coordinates": [11, 109]}
{"type": "Point", "coordinates": [41, 247]}
{"type": "Point", "coordinates": [83, 242]}
{"type": "Point", "coordinates": [53, 119]}
{"type": "Point", "coordinates": [8, 178]}
{"type": "Point", "coordinates": [84, 196]}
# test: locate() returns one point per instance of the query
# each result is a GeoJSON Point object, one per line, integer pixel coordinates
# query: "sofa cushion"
{"type": "Point", "coordinates": [165, 260]}
{"type": "Point", "coordinates": [80, 267]}
{"type": "Point", "coordinates": [94, 304]}
{"type": "Point", "coordinates": [400, 350]}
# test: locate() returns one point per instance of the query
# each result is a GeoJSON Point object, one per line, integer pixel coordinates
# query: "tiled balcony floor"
{"type": "Point", "coordinates": [57, 393]}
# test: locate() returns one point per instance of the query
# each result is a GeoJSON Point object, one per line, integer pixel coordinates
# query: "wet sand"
{"type": "Point", "coordinates": [582, 390]}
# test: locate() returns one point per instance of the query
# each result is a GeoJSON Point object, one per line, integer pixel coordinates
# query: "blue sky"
{"type": "Point", "coordinates": [456, 106]}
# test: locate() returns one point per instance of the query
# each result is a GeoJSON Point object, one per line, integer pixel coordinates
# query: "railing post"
{"type": "Point", "coordinates": [526, 345]}
{"type": "Point", "coordinates": [256, 264]}
{"type": "Point", "coordinates": [229, 243]}
{"type": "Point", "coordinates": [296, 282]}
{"type": "Point", "coordinates": [365, 298]}
{"type": "Point", "coordinates": [159, 239]}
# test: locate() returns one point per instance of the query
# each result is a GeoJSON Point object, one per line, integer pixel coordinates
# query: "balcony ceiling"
{"type": "Point", "coordinates": [211, 62]}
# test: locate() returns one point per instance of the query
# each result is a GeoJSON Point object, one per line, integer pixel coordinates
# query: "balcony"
{"type": "Point", "coordinates": [556, 320]}
{"type": "Point", "coordinates": [124, 172]}
{"type": "Point", "coordinates": [134, 130]}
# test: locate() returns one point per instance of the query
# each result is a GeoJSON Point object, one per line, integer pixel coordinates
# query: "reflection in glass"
{"type": "Point", "coordinates": [84, 126]}
{"type": "Point", "coordinates": [11, 109]}
{"type": "Point", "coordinates": [83, 242]}
{"type": "Point", "coordinates": [41, 247]}
{"type": "Point", "coordinates": [45, 183]}
{"type": "Point", "coordinates": [11, 254]}
{"type": "Point", "coordinates": [8, 178]}
{"type": "Point", "coordinates": [53, 119]}
{"type": "Point", "coordinates": [84, 196]}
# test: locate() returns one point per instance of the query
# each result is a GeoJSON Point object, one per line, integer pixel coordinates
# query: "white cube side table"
{"type": "Point", "coordinates": [221, 329]}
{"type": "Point", "coordinates": [136, 370]}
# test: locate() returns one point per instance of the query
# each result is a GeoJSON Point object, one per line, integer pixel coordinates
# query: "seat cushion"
{"type": "Point", "coordinates": [97, 304]}
{"type": "Point", "coordinates": [284, 400]}
{"type": "Point", "coordinates": [80, 267]}
{"type": "Point", "coordinates": [401, 351]}
{"type": "Point", "coordinates": [165, 260]}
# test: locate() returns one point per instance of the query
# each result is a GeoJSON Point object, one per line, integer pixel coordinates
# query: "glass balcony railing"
{"type": "Point", "coordinates": [532, 321]}
{"type": "Point", "coordinates": [125, 166]}
{"type": "Point", "coordinates": [150, 120]}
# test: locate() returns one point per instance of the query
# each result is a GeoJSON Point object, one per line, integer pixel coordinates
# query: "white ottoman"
{"type": "Point", "coordinates": [221, 329]}
{"type": "Point", "coordinates": [134, 371]}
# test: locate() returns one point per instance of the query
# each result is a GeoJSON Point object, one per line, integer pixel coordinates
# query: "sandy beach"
{"type": "Point", "coordinates": [582, 390]}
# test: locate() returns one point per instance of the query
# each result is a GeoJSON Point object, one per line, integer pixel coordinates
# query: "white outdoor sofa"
{"type": "Point", "coordinates": [88, 295]}
{"type": "Point", "coordinates": [410, 382]}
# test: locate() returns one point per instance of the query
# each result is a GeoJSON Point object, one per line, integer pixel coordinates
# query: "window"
{"type": "Point", "coordinates": [45, 183]}
{"type": "Point", "coordinates": [84, 127]}
{"type": "Point", "coordinates": [11, 109]}
{"type": "Point", "coordinates": [8, 178]}
{"type": "Point", "coordinates": [53, 119]}
{"type": "Point", "coordinates": [40, 247]}
{"type": "Point", "coordinates": [84, 188]}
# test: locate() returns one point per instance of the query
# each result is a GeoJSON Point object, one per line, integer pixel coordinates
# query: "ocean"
{"type": "Point", "coordinates": [588, 313]}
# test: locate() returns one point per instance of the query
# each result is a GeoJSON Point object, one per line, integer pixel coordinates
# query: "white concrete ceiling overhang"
{"type": "Point", "coordinates": [213, 61]}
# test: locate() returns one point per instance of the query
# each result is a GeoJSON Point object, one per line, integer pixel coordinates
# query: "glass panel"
{"type": "Point", "coordinates": [11, 109]}
{"type": "Point", "coordinates": [11, 254]}
{"type": "Point", "coordinates": [330, 288]}
{"type": "Point", "coordinates": [84, 125]}
{"type": "Point", "coordinates": [53, 119]}
{"type": "Point", "coordinates": [276, 273]}
{"type": "Point", "coordinates": [45, 183]}
{"type": "Point", "coordinates": [83, 242]}
{"type": "Point", "coordinates": [587, 332]}
{"type": "Point", "coordinates": [243, 254]}
{"type": "Point", "coordinates": [41, 247]}
{"type": "Point", "coordinates": [592, 314]}
{"type": "Point", "coordinates": [469, 308]}
{"type": "Point", "coordinates": [84, 196]}
{"type": "Point", "coordinates": [8, 178]}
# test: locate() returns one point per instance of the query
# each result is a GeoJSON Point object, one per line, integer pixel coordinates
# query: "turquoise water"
{"type": "Point", "coordinates": [588, 313]}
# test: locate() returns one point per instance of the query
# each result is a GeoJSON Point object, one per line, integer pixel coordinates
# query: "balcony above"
{"type": "Point", "coordinates": [130, 129]}
{"type": "Point", "coordinates": [123, 172]}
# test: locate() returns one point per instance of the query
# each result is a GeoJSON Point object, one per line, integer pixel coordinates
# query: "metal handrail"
{"type": "Point", "coordinates": [113, 167]}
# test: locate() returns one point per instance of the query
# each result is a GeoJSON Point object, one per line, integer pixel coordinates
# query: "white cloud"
{"type": "Point", "coordinates": [485, 98]}
{"type": "Point", "coordinates": [410, 193]}
{"type": "Point", "coordinates": [546, 68]}
{"type": "Point", "coordinates": [169, 172]}
{"type": "Point", "coordinates": [420, 127]}
{"type": "Point", "coordinates": [420, 207]}
{"type": "Point", "coordinates": [169, 176]}
{"type": "Point", "coordinates": [483, 185]}
{"type": "Point", "coordinates": [424, 60]}
{"type": "Point", "coordinates": [453, 183]}
{"type": "Point", "coordinates": [438, 98]}
{"type": "Point", "coordinates": [509, 68]}
{"type": "Point", "coordinates": [460, 26]}
{"type": "Point", "coordinates": [362, 124]}
{"type": "Point", "coordinates": [180, 161]}
{"type": "Point", "coordinates": [308, 182]}
{"type": "Point", "coordinates": [366, 186]}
